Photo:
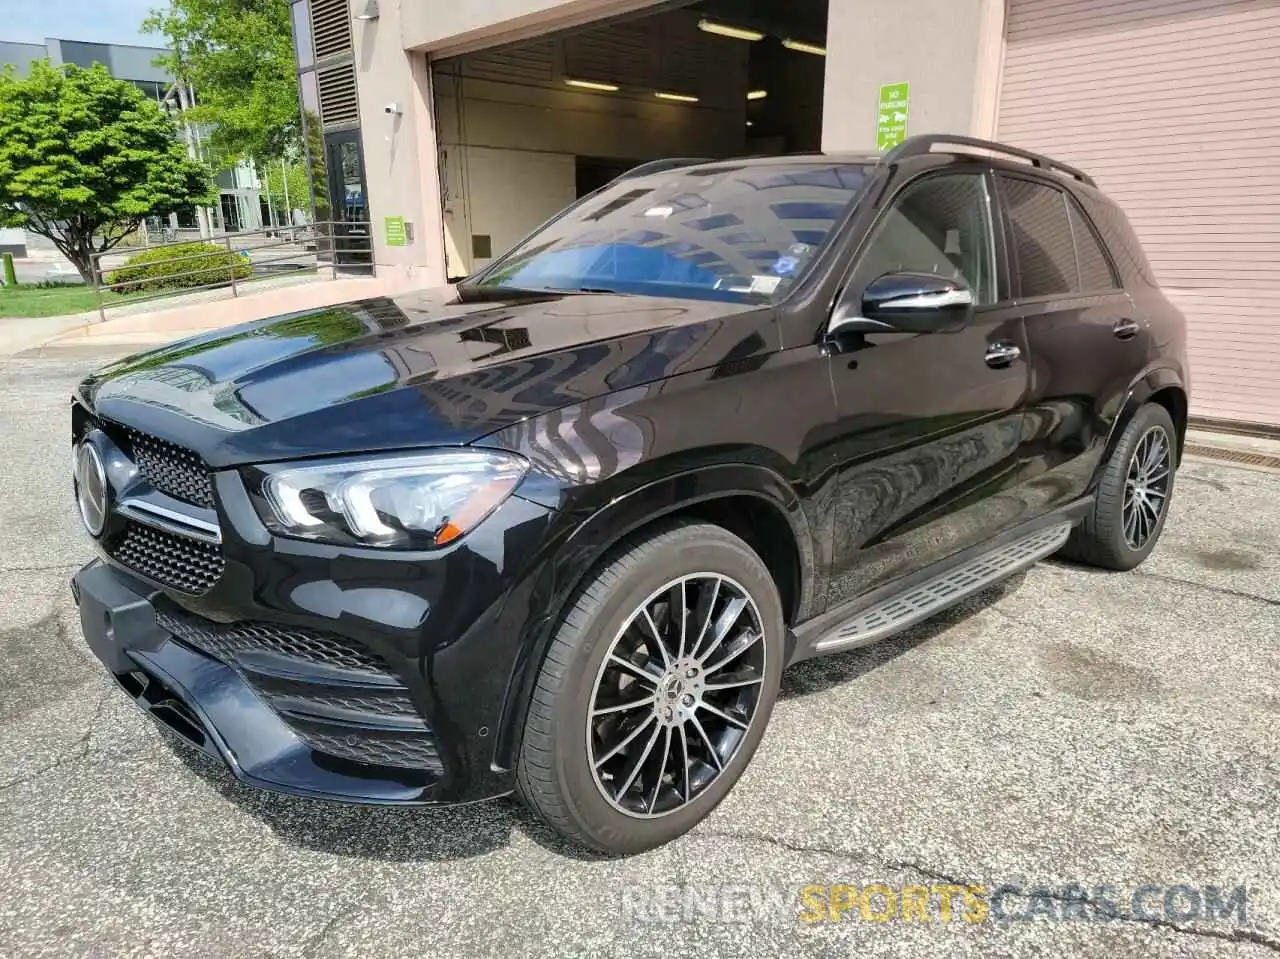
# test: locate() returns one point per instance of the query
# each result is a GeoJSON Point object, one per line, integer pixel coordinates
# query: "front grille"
{"type": "Point", "coordinates": [339, 697]}
{"type": "Point", "coordinates": [172, 469]}
{"type": "Point", "coordinates": [224, 641]}
{"type": "Point", "coordinates": [179, 562]}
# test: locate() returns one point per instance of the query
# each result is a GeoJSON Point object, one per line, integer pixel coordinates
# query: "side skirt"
{"type": "Point", "coordinates": [923, 594]}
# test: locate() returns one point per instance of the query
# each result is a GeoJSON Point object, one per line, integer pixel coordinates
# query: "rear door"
{"type": "Point", "coordinates": [929, 425]}
{"type": "Point", "coordinates": [1086, 341]}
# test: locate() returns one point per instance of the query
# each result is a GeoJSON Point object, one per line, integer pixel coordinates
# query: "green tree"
{"type": "Point", "coordinates": [287, 187]}
{"type": "Point", "coordinates": [238, 56]}
{"type": "Point", "coordinates": [84, 157]}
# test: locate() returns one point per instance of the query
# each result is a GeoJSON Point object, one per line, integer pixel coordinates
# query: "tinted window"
{"type": "Point", "coordinates": [1120, 237]}
{"type": "Point", "coordinates": [1095, 269]}
{"type": "Point", "coordinates": [724, 231]}
{"type": "Point", "coordinates": [939, 225]}
{"type": "Point", "coordinates": [1041, 238]}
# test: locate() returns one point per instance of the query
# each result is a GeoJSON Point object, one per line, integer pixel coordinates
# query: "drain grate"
{"type": "Point", "coordinates": [1233, 456]}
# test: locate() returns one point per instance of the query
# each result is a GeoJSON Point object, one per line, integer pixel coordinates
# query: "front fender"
{"type": "Point", "coordinates": [579, 545]}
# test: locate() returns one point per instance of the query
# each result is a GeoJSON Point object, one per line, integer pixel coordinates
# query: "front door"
{"type": "Point", "coordinates": [352, 248]}
{"type": "Point", "coordinates": [929, 424]}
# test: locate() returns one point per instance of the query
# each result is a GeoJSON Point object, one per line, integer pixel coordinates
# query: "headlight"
{"type": "Point", "coordinates": [415, 501]}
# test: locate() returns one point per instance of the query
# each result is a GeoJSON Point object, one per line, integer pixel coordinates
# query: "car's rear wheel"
{"type": "Point", "coordinates": [655, 691]}
{"type": "Point", "coordinates": [1132, 502]}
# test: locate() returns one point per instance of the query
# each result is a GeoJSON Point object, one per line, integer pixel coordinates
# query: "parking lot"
{"type": "Point", "coordinates": [1068, 727]}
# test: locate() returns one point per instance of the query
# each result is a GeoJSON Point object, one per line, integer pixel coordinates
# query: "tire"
{"type": "Point", "coordinates": [564, 742]}
{"type": "Point", "coordinates": [1103, 539]}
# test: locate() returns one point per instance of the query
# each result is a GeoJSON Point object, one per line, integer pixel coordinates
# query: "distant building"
{"type": "Point", "coordinates": [239, 205]}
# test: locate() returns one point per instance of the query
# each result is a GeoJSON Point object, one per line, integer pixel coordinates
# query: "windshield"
{"type": "Point", "coordinates": [730, 231]}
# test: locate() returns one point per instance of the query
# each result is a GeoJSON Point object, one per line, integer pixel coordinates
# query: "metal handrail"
{"type": "Point", "coordinates": [320, 244]}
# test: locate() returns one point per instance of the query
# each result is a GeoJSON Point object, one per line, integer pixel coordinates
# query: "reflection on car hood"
{"type": "Point", "coordinates": [391, 373]}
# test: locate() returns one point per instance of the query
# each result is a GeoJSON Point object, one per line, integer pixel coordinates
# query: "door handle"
{"type": "Point", "coordinates": [1125, 329]}
{"type": "Point", "coordinates": [1002, 354]}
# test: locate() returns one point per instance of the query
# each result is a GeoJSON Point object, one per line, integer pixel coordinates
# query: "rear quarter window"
{"type": "Point", "coordinates": [1096, 273]}
{"type": "Point", "coordinates": [1119, 236]}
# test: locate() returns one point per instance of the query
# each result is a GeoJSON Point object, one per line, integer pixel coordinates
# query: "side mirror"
{"type": "Point", "coordinates": [909, 303]}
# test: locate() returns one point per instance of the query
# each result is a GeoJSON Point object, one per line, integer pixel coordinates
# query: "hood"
{"type": "Point", "coordinates": [422, 369]}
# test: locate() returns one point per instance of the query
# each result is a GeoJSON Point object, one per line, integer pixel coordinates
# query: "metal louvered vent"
{"type": "Point", "coordinates": [619, 51]}
{"type": "Point", "coordinates": [331, 26]}
{"type": "Point", "coordinates": [338, 95]}
{"type": "Point", "coordinates": [525, 63]}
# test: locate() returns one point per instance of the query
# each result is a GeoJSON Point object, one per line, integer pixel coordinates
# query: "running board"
{"type": "Point", "coordinates": [932, 596]}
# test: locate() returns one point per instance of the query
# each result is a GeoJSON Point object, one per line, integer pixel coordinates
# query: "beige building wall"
{"type": "Point", "coordinates": [399, 148]}
{"type": "Point", "coordinates": [464, 25]}
{"type": "Point", "coordinates": [948, 50]}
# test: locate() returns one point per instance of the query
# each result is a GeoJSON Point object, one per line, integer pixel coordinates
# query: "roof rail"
{"type": "Point", "coordinates": [920, 145]}
{"type": "Point", "coordinates": [659, 166]}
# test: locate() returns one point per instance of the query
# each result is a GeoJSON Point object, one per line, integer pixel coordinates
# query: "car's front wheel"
{"type": "Point", "coordinates": [655, 691]}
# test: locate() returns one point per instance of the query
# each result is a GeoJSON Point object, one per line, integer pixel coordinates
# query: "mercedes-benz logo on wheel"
{"type": "Point", "coordinates": [91, 487]}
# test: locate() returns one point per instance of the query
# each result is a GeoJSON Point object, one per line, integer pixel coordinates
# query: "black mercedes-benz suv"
{"type": "Point", "coordinates": [559, 529]}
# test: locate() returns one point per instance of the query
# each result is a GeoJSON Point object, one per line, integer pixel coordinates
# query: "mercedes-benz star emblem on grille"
{"type": "Point", "coordinates": [91, 488]}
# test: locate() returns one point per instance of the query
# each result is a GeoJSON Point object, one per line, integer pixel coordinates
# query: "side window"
{"type": "Point", "coordinates": [1041, 238]}
{"type": "Point", "coordinates": [1096, 274]}
{"type": "Point", "coordinates": [940, 225]}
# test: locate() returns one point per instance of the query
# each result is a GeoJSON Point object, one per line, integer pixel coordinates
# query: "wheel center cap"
{"type": "Point", "coordinates": [674, 687]}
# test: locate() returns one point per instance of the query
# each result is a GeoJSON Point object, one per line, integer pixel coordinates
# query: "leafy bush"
{"type": "Point", "coordinates": [178, 267]}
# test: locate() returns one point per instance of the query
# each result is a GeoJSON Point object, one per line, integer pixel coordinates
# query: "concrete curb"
{"type": "Point", "coordinates": [18, 334]}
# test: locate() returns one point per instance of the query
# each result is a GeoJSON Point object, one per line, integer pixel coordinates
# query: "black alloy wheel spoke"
{"type": "Point", "coordinates": [653, 638]}
{"type": "Point", "coordinates": [722, 628]}
{"type": "Point", "coordinates": [678, 617]}
{"type": "Point", "coordinates": [702, 616]}
{"type": "Point", "coordinates": [639, 673]}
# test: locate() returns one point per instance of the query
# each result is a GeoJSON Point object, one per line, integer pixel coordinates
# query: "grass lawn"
{"type": "Point", "coordinates": [30, 299]}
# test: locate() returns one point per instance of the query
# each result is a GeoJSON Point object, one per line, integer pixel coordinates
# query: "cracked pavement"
{"type": "Point", "coordinates": [1067, 727]}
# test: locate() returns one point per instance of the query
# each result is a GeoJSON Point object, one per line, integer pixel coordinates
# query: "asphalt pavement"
{"type": "Point", "coordinates": [1070, 730]}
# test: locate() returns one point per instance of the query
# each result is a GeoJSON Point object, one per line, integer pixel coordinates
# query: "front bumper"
{"type": "Point", "coordinates": [262, 714]}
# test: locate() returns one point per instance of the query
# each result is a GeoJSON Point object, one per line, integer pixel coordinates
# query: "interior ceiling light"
{"type": "Point", "coordinates": [757, 94]}
{"type": "Point", "coordinates": [727, 30]}
{"type": "Point", "coordinates": [802, 47]}
{"type": "Point", "coordinates": [679, 97]}
{"type": "Point", "coordinates": [365, 10]}
{"type": "Point", "coordinates": [592, 85]}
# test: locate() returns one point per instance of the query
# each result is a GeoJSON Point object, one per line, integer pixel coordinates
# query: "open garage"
{"type": "Point", "coordinates": [524, 128]}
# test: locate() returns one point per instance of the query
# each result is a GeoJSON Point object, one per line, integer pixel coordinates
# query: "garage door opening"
{"type": "Point", "coordinates": [526, 128]}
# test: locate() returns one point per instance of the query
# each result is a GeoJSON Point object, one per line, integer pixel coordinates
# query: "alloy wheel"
{"type": "Point", "coordinates": [676, 694]}
{"type": "Point", "coordinates": [1146, 486]}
